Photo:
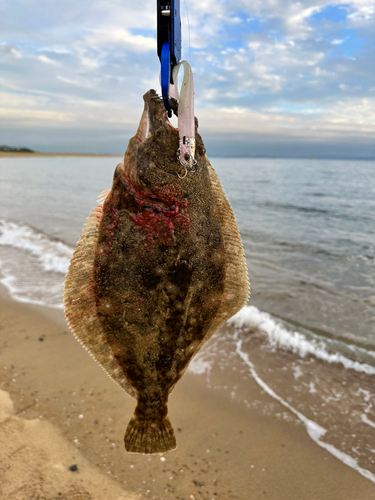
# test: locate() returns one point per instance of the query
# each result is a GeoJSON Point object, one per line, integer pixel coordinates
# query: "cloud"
{"type": "Point", "coordinates": [47, 60]}
{"type": "Point", "coordinates": [7, 49]}
{"type": "Point", "coordinates": [345, 87]}
{"type": "Point", "coordinates": [79, 83]}
{"type": "Point", "coordinates": [358, 114]}
{"type": "Point", "coordinates": [363, 11]}
{"type": "Point", "coordinates": [55, 50]}
{"type": "Point", "coordinates": [104, 39]}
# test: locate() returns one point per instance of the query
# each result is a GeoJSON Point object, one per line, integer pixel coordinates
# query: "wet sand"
{"type": "Point", "coordinates": [58, 408]}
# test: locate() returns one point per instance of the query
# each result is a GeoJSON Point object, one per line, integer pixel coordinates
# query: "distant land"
{"type": "Point", "coordinates": [21, 151]}
{"type": "Point", "coordinates": [9, 149]}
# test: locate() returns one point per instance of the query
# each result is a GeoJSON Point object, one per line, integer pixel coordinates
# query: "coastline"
{"type": "Point", "coordinates": [5, 154]}
{"type": "Point", "coordinates": [226, 451]}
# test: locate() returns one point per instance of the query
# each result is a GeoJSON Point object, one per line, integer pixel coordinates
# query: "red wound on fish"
{"type": "Point", "coordinates": [111, 218]}
{"type": "Point", "coordinates": [158, 216]}
{"type": "Point", "coordinates": [157, 227]}
{"type": "Point", "coordinates": [182, 220]}
{"type": "Point", "coordinates": [171, 195]}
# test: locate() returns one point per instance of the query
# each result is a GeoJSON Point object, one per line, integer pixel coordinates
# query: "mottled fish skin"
{"type": "Point", "coordinates": [164, 269]}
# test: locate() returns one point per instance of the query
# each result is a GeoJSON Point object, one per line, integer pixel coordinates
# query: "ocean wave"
{"type": "Point", "coordinates": [337, 213]}
{"type": "Point", "coordinates": [314, 430]}
{"type": "Point", "coordinates": [279, 337]}
{"type": "Point", "coordinates": [297, 208]}
{"type": "Point", "coordinates": [38, 294]}
{"type": "Point", "coordinates": [52, 255]}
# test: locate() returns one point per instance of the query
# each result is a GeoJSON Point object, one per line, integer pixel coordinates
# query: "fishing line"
{"type": "Point", "coordinates": [188, 23]}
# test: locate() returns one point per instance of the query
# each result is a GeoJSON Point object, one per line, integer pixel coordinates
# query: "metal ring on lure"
{"type": "Point", "coordinates": [186, 153]}
{"type": "Point", "coordinates": [184, 161]}
{"type": "Point", "coordinates": [183, 176]}
{"type": "Point", "coordinates": [193, 163]}
{"type": "Point", "coordinates": [189, 168]}
{"type": "Point", "coordinates": [179, 159]}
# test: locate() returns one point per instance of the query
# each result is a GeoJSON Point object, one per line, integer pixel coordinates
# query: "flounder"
{"type": "Point", "coordinates": [158, 269]}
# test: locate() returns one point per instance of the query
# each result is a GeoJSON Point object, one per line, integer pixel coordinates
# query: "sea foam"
{"type": "Point", "coordinates": [53, 255]}
{"type": "Point", "coordinates": [32, 264]}
{"type": "Point", "coordinates": [279, 337]}
{"type": "Point", "coordinates": [314, 430]}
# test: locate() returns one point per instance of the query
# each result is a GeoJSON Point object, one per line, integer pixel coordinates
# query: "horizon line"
{"type": "Point", "coordinates": [290, 157]}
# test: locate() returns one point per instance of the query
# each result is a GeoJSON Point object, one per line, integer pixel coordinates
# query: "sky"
{"type": "Point", "coordinates": [272, 77]}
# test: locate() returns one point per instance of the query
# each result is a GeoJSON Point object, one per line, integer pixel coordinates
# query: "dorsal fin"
{"type": "Point", "coordinates": [79, 299]}
{"type": "Point", "coordinates": [236, 285]}
{"type": "Point", "coordinates": [103, 195]}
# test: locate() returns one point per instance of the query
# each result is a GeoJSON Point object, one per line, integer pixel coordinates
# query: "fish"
{"type": "Point", "coordinates": [158, 269]}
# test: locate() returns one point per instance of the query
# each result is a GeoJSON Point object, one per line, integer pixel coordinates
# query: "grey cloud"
{"type": "Point", "coordinates": [9, 50]}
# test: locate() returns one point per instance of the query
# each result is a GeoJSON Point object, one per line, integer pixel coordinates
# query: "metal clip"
{"type": "Point", "coordinates": [185, 174]}
{"type": "Point", "coordinates": [186, 155]}
{"type": "Point", "coordinates": [169, 43]}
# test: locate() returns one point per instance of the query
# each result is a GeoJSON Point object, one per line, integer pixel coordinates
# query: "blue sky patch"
{"type": "Point", "coordinates": [333, 13]}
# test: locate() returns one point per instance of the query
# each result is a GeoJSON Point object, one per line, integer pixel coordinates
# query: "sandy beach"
{"type": "Point", "coordinates": [59, 409]}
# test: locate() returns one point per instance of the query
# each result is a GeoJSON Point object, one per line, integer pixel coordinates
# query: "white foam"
{"type": "Point", "coordinates": [314, 430]}
{"type": "Point", "coordinates": [51, 294]}
{"type": "Point", "coordinates": [32, 265]}
{"type": "Point", "coordinates": [297, 372]}
{"type": "Point", "coordinates": [312, 388]}
{"type": "Point", "coordinates": [367, 421]}
{"type": "Point", "coordinates": [199, 366]}
{"type": "Point", "coordinates": [280, 337]}
{"type": "Point", "coordinates": [52, 255]}
{"type": "Point", "coordinates": [366, 352]}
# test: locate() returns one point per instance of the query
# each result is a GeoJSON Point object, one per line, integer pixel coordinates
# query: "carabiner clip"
{"type": "Point", "coordinates": [169, 52]}
{"type": "Point", "coordinates": [169, 44]}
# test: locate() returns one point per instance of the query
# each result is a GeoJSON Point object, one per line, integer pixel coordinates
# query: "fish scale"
{"type": "Point", "coordinates": [158, 269]}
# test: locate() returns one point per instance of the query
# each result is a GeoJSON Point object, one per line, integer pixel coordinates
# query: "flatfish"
{"type": "Point", "coordinates": [158, 269]}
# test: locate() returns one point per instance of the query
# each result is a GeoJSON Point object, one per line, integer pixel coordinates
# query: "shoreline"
{"type": "Point", "coordinates": [225, 450]}
{"type": "Point", "coordinates": [260, 157]}
{"type": "Point", "coordinates": [6, 154]}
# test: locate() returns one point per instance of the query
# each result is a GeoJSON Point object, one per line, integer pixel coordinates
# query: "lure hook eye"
{"type": "Point", "coordinates": [185, 174]}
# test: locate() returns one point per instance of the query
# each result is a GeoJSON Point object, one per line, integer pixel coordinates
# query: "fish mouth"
{"type": "Point", "coordinates": [154, 118]}
{"type": "Point", "coordinates": [154, 115]}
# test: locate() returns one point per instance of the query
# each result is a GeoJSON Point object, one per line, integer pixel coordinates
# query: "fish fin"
{"type": "Point", "coordinates": [149, 436]}
{"type": "Point", "coordinates": [79, 301]}
{"type": "Point", "coordinates": [236, 285]}
{"type": "Point", "coordinates": [103, 195]}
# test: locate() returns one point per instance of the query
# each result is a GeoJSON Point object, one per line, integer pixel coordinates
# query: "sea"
{"type": "Point", "coordinates": [307, 334]}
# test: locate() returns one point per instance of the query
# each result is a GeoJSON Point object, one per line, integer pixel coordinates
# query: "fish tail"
{"type": "Point", "coordinates": [149, 436]}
